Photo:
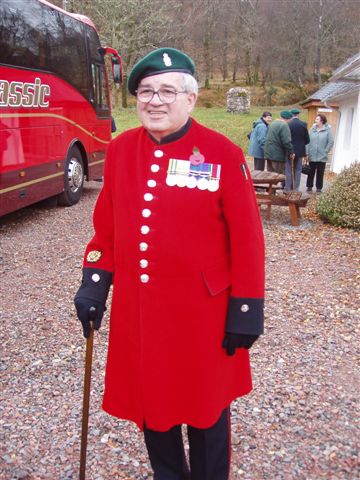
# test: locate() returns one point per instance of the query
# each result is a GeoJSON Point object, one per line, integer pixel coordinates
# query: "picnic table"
{"type": "Point", "coordinates": [267, 185]}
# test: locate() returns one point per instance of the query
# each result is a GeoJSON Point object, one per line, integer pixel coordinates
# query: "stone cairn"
{"type": "Point", "coordinates": [238, 100]}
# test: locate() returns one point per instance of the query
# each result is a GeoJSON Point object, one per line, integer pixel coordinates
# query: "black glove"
{"type": "Point", "coordinates": [244, 323]}
{"type": "Point", "coordinates": [232, 341]}
{"type": "Point", "coordinates": [85, 313]}
{"type": "Point", "coordinates": [93, 292]}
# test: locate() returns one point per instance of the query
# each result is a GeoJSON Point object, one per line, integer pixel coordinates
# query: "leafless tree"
{"type": "Point", "coordinates": [259, 40]}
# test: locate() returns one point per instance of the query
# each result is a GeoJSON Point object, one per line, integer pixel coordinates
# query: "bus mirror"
{"type": "Point", "coordinates": [116, 70]}
{"type": "Point", "coordinates": [116, 63]}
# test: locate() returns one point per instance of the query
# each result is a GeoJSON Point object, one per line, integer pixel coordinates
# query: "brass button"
{"type": "Point", "coordinates": [143, 246]}
{"type": "Point", "coordinates": [148, 197]}
{"type": "Point", "coordinates": [146, 213]}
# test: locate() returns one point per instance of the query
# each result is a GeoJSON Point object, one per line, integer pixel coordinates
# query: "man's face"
{"type": "Point", "coordinates": [160, 118]}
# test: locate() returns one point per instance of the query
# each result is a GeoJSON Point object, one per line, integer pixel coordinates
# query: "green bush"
{"type": "Point", "coordinates": [340, 203]}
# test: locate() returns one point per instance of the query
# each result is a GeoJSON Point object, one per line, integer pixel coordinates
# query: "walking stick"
{"type": "Point", "coordinates": [86, 397]}
{"type": "Point", "coordinates": [292, 174]}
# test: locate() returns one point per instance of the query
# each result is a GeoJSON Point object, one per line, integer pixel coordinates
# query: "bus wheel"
{"type": "Point", "coordinates": [73, 178]}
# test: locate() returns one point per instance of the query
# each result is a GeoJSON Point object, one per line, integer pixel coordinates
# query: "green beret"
{"type": "Point", "coordinates": [158, 61]}
{"type": "Point", "coordinates": [295, 111]}
{"type": "Point", "coordinates": [286, 114]}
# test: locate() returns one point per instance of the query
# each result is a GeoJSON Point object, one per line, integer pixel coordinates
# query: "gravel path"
{"type": "Point", "coordinates": [300, 421]}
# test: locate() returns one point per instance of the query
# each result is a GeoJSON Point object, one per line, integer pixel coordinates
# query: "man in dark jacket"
{"type": "Point", "coordinates": [278, 146]}
{"type": "Point", "coordinates": [299, 138]}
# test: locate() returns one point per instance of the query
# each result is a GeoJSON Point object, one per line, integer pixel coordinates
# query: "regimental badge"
{"type": "Point", "coordinates": [183, 173]}
{"type": "Point", "coordinates": [167, 60]}
{"type": "Point", "coordinates": [93, 256]}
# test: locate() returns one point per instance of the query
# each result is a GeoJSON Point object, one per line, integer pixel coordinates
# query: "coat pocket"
{"type": "Point", "coordinates": [217, 277]}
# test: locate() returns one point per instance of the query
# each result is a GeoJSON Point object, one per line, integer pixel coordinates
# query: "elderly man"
{"type": "Point", "coordinates": [178, 234]}
{"type": "Point", "coordinates": [278, 147]}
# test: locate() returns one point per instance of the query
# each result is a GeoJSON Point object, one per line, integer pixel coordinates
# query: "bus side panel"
{"type": "Point", "coordinates": [41, 117]}
{"type": "Point", "coordinates": [20, 188]}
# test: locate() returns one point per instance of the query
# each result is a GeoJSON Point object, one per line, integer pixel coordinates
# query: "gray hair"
{"type": "Point", "coordinates": [190, 84]}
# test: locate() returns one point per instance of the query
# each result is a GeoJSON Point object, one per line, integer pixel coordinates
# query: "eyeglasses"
{"type": "Point", "coordinates": [166, 95]}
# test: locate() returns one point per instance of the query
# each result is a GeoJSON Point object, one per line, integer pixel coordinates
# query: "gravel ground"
{"type": "Point", "coordinates": [300, 421]}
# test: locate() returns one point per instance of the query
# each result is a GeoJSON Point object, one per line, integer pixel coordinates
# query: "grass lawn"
{"type": "Point", "coordinates": [234, 126]}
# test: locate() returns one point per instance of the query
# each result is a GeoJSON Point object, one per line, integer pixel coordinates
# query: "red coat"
{"type": "Point", "coordinates": [177, 253]}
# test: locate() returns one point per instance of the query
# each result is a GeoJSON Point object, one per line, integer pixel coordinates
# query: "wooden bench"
{"type": "Point", "coordinates": [267, 202]}
{"type": "Point", "coordinates": [265, 186]}
{"type": "Point", "coordinates": [293, 200]}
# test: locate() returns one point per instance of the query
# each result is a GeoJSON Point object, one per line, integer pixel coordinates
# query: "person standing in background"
{"type": "Point", "coordinates": [299, 139]}
{"type": "Point", "coordinates": [278, 146]}
{"type": "Point", "coordinates": [257, 140]}
{"type": "Point", "coordinates": [321, 142]}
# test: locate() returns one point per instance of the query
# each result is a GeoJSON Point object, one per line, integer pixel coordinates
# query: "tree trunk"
{"type": "Point", "coordinates": [235, 67]}
{"type": "Point", "coordinates": [224, 56]}
{"type": "Point", "coordinates": [318, 44]}
{"type": "Point", "coordinates": [124, 102]}
{"type": "Point", "coordinates": [207, 59]}
{"type": "Point", "coordinates": [248, 80]}
{"type": "Point", "coordinates": [256, 69]}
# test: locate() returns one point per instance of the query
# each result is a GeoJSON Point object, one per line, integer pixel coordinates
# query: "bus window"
{"type": "Point", "coordinates": [21, 36]}
{"type": "Point", "coordinates": [100, 91]}
{"type": "Point", "coordinates": [38, 37]}
{"type": "Point", "coordinates": [66, 49]}
{"type": "Point", "coordinates": [99, 81]}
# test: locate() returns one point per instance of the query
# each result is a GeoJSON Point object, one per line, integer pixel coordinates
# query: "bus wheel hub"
{"type": "Point", "coordinates": [75, 174]}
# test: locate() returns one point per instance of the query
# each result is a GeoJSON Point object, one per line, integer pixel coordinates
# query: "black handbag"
{"type": "Point", "coordinates": [305, 169]}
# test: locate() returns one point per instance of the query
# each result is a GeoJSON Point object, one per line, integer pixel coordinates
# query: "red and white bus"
{"type": "Point", "coordinates": [55, 115]}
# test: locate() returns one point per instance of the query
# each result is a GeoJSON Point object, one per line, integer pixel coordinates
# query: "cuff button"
{"type": "Point", "coordinates": [244, 308]}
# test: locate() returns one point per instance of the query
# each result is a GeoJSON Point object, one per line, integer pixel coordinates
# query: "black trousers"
{"type": "Point", "coordinates": [259, 163]}
{"type": "Point", "coordinates": [209, 452]}
{"type": "Point", "coordinates": [319, 169]}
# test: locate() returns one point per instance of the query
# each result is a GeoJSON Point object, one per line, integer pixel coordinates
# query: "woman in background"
{"type": "Point", "coordinates": [321, 142]}
{"type": "Point", "coordinates": [257, 140]}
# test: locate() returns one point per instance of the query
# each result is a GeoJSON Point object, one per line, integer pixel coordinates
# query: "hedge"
{"type": "Point", "coordinates": [340, 203]}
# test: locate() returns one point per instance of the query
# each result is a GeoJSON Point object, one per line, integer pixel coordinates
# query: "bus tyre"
{"type": "Point", "coordinates": [73, 178]}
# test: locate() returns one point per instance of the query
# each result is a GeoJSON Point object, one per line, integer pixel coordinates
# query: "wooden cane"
{"type": "Point", "coordinates": [86, 396]}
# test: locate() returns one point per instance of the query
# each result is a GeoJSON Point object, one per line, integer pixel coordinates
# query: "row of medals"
{"type": "Point", "coordinates": [200, 180]}
{"type": "Point", "coordinates": [191, 181]}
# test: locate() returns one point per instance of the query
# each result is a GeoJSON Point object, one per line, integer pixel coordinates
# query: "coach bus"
{"type": "Point", "coordinates": [55, 115]}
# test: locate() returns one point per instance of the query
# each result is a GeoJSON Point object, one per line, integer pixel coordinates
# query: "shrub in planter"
{"type": "Point", "coordinates": [340, 203]}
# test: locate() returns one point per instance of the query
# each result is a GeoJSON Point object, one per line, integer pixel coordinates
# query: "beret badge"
{"type": "Point", "coordinates": [167, 60]}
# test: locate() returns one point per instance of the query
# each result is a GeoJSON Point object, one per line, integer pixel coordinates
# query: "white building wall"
{"type": "Point", "coordinates": [347, 144]}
